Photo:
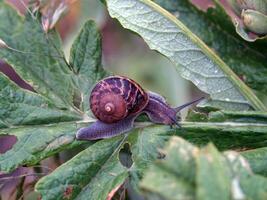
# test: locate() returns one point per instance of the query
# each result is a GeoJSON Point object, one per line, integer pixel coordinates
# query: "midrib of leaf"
{"type": "Point", "coordinates": [198, 133]}
{"type": "Point", "coordinates": [114, 152]}
{"type": "Point", "coordinates": [216, 125]}
{"type": "Point", "coordinates": [245, 91]}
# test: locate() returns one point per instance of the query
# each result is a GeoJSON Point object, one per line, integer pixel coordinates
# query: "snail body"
{"type": "Point", "coordinates": [116, 101]}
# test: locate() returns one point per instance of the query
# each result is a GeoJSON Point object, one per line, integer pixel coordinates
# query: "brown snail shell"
{"type": "Point", "coordinates": [116, 97]}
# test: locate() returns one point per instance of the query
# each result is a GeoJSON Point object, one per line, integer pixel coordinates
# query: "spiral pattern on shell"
{"type": "Point", "coordinates": [116, 97]}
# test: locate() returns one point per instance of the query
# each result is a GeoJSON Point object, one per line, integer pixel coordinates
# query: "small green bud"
{"type": "Point", "coordinates": [255, 21]}
{"type": "Point", "coordinates": [239, 5]}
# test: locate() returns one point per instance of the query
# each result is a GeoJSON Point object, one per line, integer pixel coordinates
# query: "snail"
{"type": "Point", "coordinates": [116, 101]}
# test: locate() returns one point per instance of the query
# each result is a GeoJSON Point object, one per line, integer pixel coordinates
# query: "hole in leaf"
{"type": "Point", "coordinates": [161, 155]}
{"type": "Point", "coordinates": [77, 99]}
{"type": "Point", "coordinates": [68, 192]}
{"type": "Point", "coordinates": [125, 156]}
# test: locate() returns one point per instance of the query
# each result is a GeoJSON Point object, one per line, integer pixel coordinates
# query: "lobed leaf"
{"type": "Point", "coordinates": [257, 159]}
{"type": "Point", "coordinates": [22, 107]}
{"type": "Point", "coordinates": [193, 59]}
{"type": "Point", "coordinates": [45, 122]}
{"type": "Point", "coordinates": [39, 59]}
{"type": "Point", "coordinates": [34, 143]}
{"type": "Point", "coordinates": [85, 59]}
{"type": "Point", "coordinates": [212, 175]}
{"type": "Point", "coordinates": [96, 164]}
{"type": "Point", "coordinates": [145, 145]}
{"type": "Point", "coordinates": [220, 176]}
{"type": "Point", "coordinates": [94, 172]}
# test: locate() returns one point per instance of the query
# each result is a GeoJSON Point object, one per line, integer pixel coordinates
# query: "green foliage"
{"type": "Point", "coordinates": [188, 172]}
{"type": "Point", "coordinates": [85, 58]}
{"type": "Point", "coordinates": [45, 121]}
{"type": "Point", "coordinates": [193, 59]}
{"type": "Point", "coordinates": [94, 172]}
{"type": "Point", "coordinates": [215, 28]}
{"type": "Point", "coordinates": [45, 67]}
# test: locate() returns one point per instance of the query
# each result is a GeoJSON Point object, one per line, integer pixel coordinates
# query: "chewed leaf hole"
{"type": "Point", "coordinates": [125, 156]}
{"type": "Point", "coordinates": [77, 99]}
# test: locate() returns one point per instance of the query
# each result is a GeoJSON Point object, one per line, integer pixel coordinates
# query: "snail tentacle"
{"type": "Point", "coordinates": [160, 112]}
{"type": "Point", "coordinates": [177, 109]}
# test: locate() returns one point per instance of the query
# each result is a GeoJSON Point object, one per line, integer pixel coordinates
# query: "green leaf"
{"type": "Point", "coordinates": [39, 137]}
{"type": "Point", "coordinates": [162, 178]}
{"type": "Point", "coordinates": [257, 159]}
{"type": "Point", "coordinates": [94, 172]}
{"type": "Point", "coordinates": [22, 107]}
{"type": "Point", "coordinates": [44, 123]}
{"type": "Point", "coordinates": [144, 146]}
{"type": "Point", "coordinates": [244, 183]}
{"type": "Point", "coordinates": [193, 59]}
{"type": "Point", "coordinates": [42, 64]}
{"type": "Point", "coordinates": [216, 29]}
{"type": "Point", "coordinates": [34, 143]}
{"type": "Point", "coordinates": [213, 180]}
{"type": "Point", "coordinates": [96, 164]}
{"type": "Point", "coordinates": [85, 58]}
{"type": "Point", "coordinates": [215, 175]}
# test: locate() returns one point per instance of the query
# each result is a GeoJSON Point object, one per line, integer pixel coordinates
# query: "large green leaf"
{"type": "Point", "coordinates": [212, 175]}
{"type": "Point", "coordinates": [193, 59]}
{"type": "Point", "coordinates": [215, 28]}
{"type": "Point", "coordinates": [94, 172]}
{"type": "Point", "coordinates": [43, 128]}
{"type": "Point", "coordinates": [145, 144]}
{"type": "Point", "coordinates": [43, 64]}
{"type": "Point", "coordinates": [96, 164]}
{"type": "Point", "coordinates": [85, 59]}
{"type": "Point", "coordinates": [21, 107]}
{"type": "Point", "coordinates": [257, 159]}
{"type": "Point", "coordinates": [40, 137]}
{"type": "Point", "coordinates": [44, 122]}
{"type": "Point", "coordinates": [34, 143]}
